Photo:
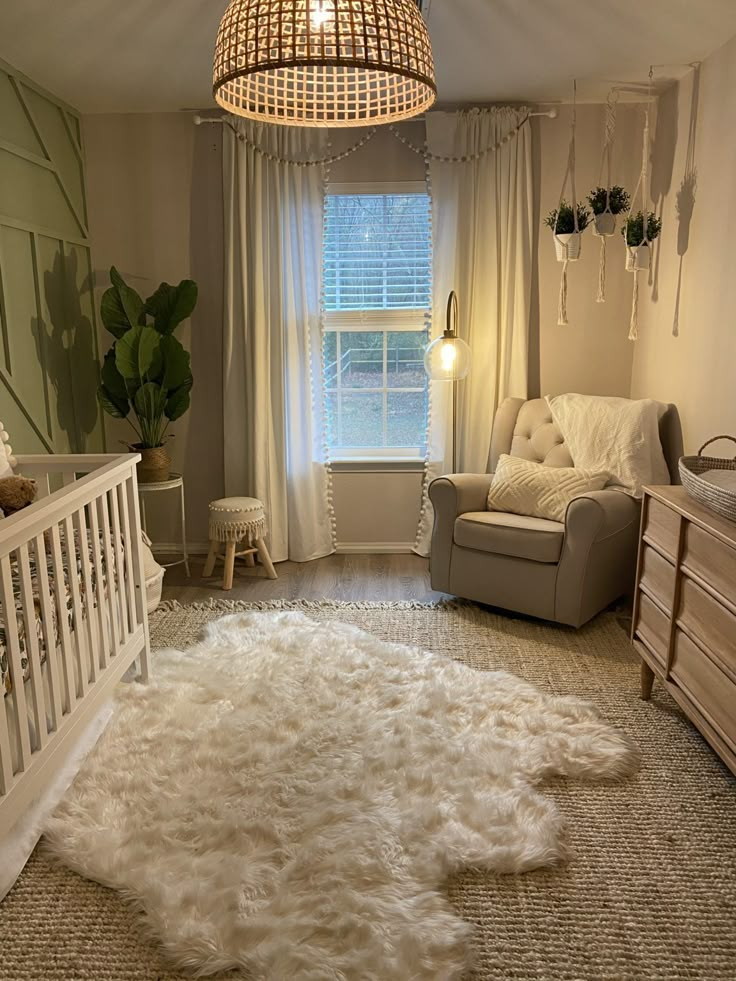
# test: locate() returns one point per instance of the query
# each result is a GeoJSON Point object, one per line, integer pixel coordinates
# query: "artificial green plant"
{"type": "Point", "coordinates": [633, 229]}
{"type": "Point", "coordinates": [562, 219]}
{"type": "Point", "coordinates": [146, 374]}
{"type": "Point", "coordinates": [616, 197]}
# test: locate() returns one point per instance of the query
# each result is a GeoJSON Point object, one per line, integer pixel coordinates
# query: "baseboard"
{"type": "Point", "coordinates": [345, 548]}
{"type": "Point", "coordinates": [376, 548]}
{"type": "Point", "coordinates": [175, 548]}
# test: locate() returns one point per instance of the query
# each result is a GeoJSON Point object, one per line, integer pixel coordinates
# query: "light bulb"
{"type": "Point", "coordinates": [448, 356]}
{"type": "Point", "coordinates": [323, 11]}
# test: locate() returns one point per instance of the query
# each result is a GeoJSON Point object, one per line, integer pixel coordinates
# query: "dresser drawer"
{"type": "Point", "coordinates": [701, 679]}
{"type": "Point", "coordinates": [658, 576]}
{"type": "Point", "coordinates": [711, 560]}
{"type": "Point", "coordinates": [713, 626]}
{"type": "Point", "coordinates": [653, 627]}
{"type": "Point", "coordinates": [662, 527]}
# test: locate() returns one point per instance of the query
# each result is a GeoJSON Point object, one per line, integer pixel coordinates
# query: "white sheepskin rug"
{"type": "Point", "coordinates": [289, 797]}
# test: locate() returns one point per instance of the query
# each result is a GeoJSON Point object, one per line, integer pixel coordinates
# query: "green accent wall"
{"type": "Point", "coordinates": [49, 361]}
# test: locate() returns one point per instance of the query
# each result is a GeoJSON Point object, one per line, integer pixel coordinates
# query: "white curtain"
{"type": "Point", "coordinates": [482, 218]}
{"type": "Point", "coordinates": [273, 401]}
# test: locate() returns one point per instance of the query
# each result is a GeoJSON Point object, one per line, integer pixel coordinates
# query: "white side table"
{"type": "Point", "coordinates": [175, 482]}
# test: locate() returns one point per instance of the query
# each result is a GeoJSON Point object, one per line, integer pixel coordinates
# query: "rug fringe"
{"type": "Point", "coordinates": [455, 603]}
{"type": "Point", "coordinates": [170, 606]}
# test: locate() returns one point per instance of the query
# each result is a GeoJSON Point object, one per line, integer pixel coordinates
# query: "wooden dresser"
{"type": "Point", "coordinates": [684, 625]}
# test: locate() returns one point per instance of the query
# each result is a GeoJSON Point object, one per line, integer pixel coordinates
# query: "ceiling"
{"type": "Point", "coordinates": [156, 55]}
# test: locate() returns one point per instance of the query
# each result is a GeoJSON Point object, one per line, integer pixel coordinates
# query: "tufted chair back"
{"type": "Point", "coordinates": [525, 428]}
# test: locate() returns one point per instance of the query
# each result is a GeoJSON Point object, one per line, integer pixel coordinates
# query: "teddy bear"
{"type": "Point", "coordinates": [16, 492]}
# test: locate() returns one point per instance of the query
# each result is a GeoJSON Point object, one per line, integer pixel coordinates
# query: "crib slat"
{"type": "Point", "coordinates": [80, 641]}
{"type": "Point", "coordinates": [44, 486]}
{"type": "Point", "coordinates": [38, 700]}
{"type": "Point", "coordinates": [100, 587]}
{"type": "Point", "coordinates": [140, 579]}
{"type": "Point", "coordinates": [47, 622]}
{"type": "Point", "coordinates": [67, 666]}
{"type": "Point", "coordinates": [6, 759]}
{"type": "Point", "coordinates": [118, 549]}
{"type": "Point", "coordinates": [111, 591]}
{"type": "Point", "coordinates": [12, 644]}
{"type": "Point", "coordinates": [129, 546]}
{"type": "Point", "coordinates": [89, 609]}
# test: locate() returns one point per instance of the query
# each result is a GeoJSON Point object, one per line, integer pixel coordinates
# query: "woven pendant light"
{"type": "Point", "coordinates": [324, 62]}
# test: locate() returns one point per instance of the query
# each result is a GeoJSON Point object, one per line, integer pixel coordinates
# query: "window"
{"type": "Point", "coordinates": [377, 285]}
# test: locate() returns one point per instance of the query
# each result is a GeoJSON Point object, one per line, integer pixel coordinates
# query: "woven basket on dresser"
{"type": "Point", "coordinates": [716, 498]}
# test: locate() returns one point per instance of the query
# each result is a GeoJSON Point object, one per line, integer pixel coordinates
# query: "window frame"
{"type": "Point", "coordinates": [390, 321]}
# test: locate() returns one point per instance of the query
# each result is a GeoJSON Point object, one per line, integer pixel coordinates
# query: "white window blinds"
{"type": "Point", "coordinates": [377, 252]}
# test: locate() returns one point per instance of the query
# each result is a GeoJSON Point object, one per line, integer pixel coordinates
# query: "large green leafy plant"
{"type": "Point", "coordinates": [146, 374]}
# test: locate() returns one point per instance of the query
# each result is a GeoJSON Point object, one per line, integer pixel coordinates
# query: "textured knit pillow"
{"type": "Point", "coordinates": [523, 487]}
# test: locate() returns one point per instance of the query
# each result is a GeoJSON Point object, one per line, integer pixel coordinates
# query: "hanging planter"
{"type": "Point", "coordinates": [567, 235]}
{"type": "Point", "coordinates": [567, 221]}
{"type": "Point", "coordinates": [638, 253]}
{"type": "Point", "coordinates": [606, 203]}
{"type": "Point", "coordinates": [638, 258]}
{"type": "Point", "coordinates": [640, 227]}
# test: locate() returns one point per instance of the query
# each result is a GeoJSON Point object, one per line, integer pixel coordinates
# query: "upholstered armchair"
{"type": "Point", "coordinates": [565, 572]}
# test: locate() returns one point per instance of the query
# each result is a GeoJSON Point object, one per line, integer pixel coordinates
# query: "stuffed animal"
{"type": "Point", "coordinates": [16, 493]}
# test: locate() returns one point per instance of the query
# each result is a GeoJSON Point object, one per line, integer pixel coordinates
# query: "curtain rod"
{"type": "Point", "coordinates": [198, 120]}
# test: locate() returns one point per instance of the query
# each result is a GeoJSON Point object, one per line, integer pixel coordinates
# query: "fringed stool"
{"type": "Point", "coordinates": [234, 520]}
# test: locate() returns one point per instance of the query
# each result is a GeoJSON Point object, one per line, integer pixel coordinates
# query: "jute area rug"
{"type": "Point", "coordinates": [650, 890]}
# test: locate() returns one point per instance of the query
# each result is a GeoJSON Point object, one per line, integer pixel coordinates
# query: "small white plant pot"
{"type": "Point", "coordinates": [567, 246]}
{"type": "Point", "coordinates": [638, 257]}
{"type": "Point", "coordinates": [605, 224]}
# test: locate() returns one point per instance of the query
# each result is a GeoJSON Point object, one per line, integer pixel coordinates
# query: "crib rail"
{"type": "Point", "coordinates": [73, 611]}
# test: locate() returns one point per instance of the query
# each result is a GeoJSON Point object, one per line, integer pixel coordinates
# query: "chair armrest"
{"type": "Point", "coordinates": [598, 554]}
{"type": "Point", "coordinates": [452, 496]}
{"type": "Point", "coordinates": [458, 493]}
{"type": "Point", "coordinates": [599, 514]}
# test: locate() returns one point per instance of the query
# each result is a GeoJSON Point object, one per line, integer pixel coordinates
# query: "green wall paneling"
{"type": "Point", "coordinates": [49, 359]}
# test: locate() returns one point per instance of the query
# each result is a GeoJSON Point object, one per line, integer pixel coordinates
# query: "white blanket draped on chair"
{"type": "Point", "coordinates": [273, 401]}
{"type": "Point", "coordinates": [482, 249]}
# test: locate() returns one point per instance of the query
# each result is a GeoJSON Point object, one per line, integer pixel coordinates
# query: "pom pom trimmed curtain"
{"type": "Point", "coordinates": [272, 379]}
{"type": "Point", "coordinates": [482, 249]}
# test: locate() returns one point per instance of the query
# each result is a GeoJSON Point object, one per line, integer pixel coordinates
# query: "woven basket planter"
{"type": "Point", "coordinates": [155, 464]}
{"type": "Point", "coordinates": [567, 246]}
{"type": "Point", "coordinates": [638, 258]}
{"type": "Point", "coordinates": [718, 499]}
{"type": "Point", "coordinates": [604, 225]}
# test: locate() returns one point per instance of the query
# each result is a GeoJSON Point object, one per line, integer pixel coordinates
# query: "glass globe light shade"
{"type": "Point", "coordinates": [447, 358]}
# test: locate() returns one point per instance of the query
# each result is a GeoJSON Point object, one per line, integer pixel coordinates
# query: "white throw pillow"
{"type": "Point", "coordinates": [522, 487]}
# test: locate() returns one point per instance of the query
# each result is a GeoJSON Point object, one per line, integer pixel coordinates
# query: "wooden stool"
{"type": "Point", "coordinates": [235, 520]}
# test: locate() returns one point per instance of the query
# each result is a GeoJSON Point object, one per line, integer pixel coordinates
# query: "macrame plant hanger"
{"type": "Point", "coordinates": [568, 248]}
{"type": "Point", "coordinates": [604, 224]}
{"type": "Point", "coordinates": [638, 257]}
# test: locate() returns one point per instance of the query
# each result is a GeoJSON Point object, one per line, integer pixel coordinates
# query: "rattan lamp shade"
{"type": "Point", "coordinates": [324, 62]}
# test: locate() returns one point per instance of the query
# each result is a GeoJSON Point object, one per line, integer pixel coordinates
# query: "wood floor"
{"type": "Point", "coordinates": [339, 577]}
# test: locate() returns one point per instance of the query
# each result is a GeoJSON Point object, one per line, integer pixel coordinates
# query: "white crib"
{"type": "Point", "coordinates": [73, 614]}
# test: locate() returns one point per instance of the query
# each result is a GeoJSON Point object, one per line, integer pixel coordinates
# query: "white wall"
{"type": "Point", "coordinates": [592, 354]}
{"type": "Point", "coordinates": [694, 278]}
